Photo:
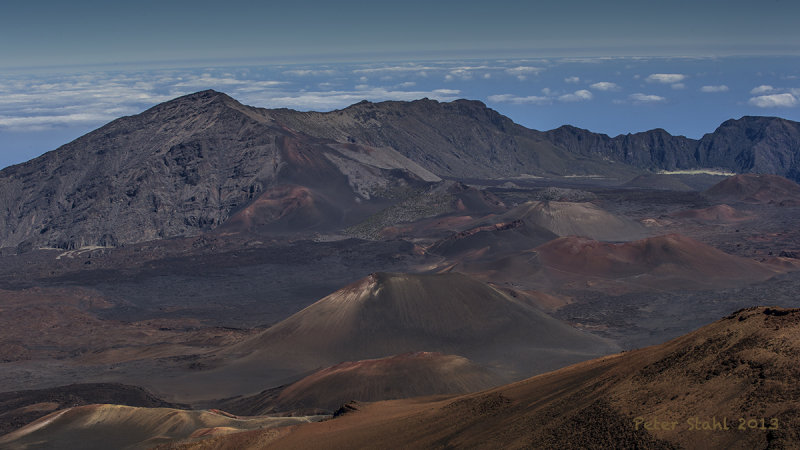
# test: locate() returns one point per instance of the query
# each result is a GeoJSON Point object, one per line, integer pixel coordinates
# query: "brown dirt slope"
{"type": "Point", "coordinates": [714, 214]}
{"type": "Point", "coordinates": [579, 219]}
{"type": "Point", "coordinates": [736, 371]}
{"type": "Point", "coordinates": [118, 427]}
{"type": "Point", "coordinates": [670, 257]}
{"type": "Point", "coordinates": [401, 376]}
{"type": "Point", "coordinates": [573, 264]}
{"type": "Point", "coordinates": [20, 408]}
{"type": "Point", "coordinates": [756, 188]}
{"type": "Point", "coordinates": [391, 313]}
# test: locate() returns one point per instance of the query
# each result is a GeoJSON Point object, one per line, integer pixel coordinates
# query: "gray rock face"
{"type": "Point", "coordinates": [184, 167]}
{"type": "Point", "coordinates": [655, 149]}
{"type": "Point", "coordinates": [747, 145]}
{"type": "Point", "coordinates": [754, 145]}
{"type": "Point", "coordinates": [174, 168]}
{"type": "Point", "coordinates": [465, 139]}
{"type": "Point", "coordinates": [462, 139]}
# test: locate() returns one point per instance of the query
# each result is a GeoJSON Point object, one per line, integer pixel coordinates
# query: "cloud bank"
{"type": "Point", "coordinates": [605, 86]}
{"type": "Point", "coordinates": [639, 98]}
{"type": "Point", "coordinates": [518, 100]}
{"type": "Point", "coordinates": [665, 78]}
{"type": "Point", "coordinates": [577, 96]}
{"type": "Point", "coordinates": [719, 88]}
{"type": "Point", "coordinates": [785, 100]}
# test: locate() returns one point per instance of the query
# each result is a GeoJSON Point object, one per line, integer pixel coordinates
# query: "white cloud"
{"type": "Point", "coordinates": [206, 81]}
{"type": "Point", "coordinates": [665, 78]}
{"type": "Point", "coordinates": [39, 123]}
{"type": "Point", "coordinates": [720, 88]}
{"type": "Point", "coordinates": [763, 89]}
{"type": "Point", "coordinates": [572, 80]}
{"type": "Point", "coordinates": [605, 86]}
{"type": "Point", "coordinates": [785, 100]}
{"type": "Point", "coordinates": [466, 72]}
{"type": "Point", "coordinates": [407, 84]}
{"type": "Point", "coordinates": [646, 98]}
{"type": "Point", "coordinates": [522, 72]}
{"type": "Point", "coordinates": [577, 96]}
{"type": "Point", "coordinates": [678, 86]}
{"type": "Point", "coordinates": [309, 72]}
{"type": "Point", "coordinates": [398, 68]}
{"type": "Point", "coordinates": [517, 100]}
{"type": "Point", "coordinates": [77, 100]}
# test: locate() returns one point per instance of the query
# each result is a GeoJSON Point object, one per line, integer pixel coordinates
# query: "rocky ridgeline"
{"type": "Point", "coordinates": [186, 166]}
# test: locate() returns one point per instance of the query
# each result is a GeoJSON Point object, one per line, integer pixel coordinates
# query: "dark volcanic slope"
{"type": "Point", "coordinates": [654, 149]}
{"type": "Point", "coordinates": [743, 366]}
{"type": "Point", "coordinates": [461, 139]}
{"type": "Point", "coordinates": [658, 181]}
{"type": "Point", "coordinates": [184, 167]}
{"type": "Point", "coordinates": [754, 144]}
{"type": "Point", "coordinates": [750, 144]}
{"type": "Point", "coordinates": [496, 239]}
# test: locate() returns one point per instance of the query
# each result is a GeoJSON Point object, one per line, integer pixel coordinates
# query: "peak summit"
{"type": "Point", "coordinates": [209, 95]}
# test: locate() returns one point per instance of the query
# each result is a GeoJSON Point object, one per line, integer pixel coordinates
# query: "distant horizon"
{"type": "Point", "coordinates": [43, 33]}
{"type": "Point", "coordinates": [618, 67]}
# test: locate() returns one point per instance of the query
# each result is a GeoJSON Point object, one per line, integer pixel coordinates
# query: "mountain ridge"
{"type": "Point", "coordinates": [186, 166]}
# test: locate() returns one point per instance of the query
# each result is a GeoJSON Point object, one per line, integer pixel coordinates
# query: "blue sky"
{"type": "Point", "coordinates": [613, 67]}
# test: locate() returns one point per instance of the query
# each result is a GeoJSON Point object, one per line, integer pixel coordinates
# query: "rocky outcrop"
{"type": "Point", "coordinates": [750, 144]}
{"type": "Point", "coordinates": [754, 145]}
